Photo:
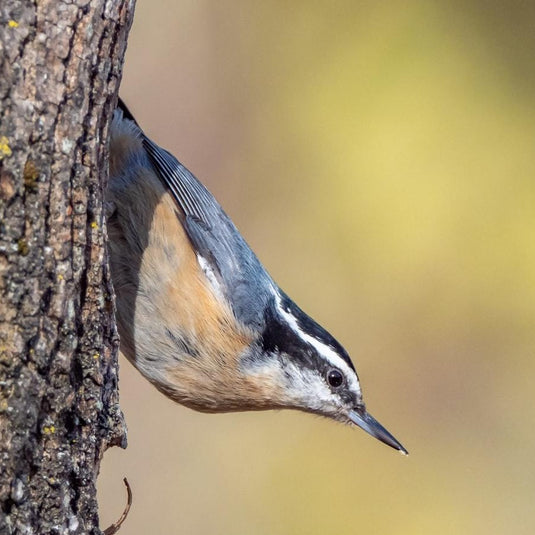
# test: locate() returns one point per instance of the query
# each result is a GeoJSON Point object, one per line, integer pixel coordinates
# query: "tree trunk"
{"type": "Point", "coordinates": [61, 68]}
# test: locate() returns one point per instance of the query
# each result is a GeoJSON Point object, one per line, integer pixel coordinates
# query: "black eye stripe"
{"type": "Point", "coordinates": [309, 326]}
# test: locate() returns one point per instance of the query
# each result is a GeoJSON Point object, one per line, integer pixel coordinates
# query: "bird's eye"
{"type": "Point", "coordinates": [335, 378]}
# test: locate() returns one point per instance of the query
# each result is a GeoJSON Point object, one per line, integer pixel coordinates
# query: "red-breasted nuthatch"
{"type": "Point", "coordinates": [198, 314]}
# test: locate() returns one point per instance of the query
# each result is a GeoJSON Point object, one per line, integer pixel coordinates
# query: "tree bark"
{"type": "Point", "coordinates": [61, 68]}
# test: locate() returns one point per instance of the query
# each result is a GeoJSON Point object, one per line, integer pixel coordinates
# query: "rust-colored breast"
{"type": "Point", "coordinates": [173, 326]}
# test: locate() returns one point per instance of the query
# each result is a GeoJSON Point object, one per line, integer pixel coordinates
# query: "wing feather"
{"type": "Point", "coordinates": [245, 283]}
{"type": "Point", "coordinates": [189, 193]}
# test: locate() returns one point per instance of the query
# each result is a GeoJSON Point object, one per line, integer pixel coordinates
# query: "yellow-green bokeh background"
{"type": "Point", "coordinates": [379, 157]}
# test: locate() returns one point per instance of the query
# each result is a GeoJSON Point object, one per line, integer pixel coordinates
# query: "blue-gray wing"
{"type": "Point", "coordinates": [243, 280]}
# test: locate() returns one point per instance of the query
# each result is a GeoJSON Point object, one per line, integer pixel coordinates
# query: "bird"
{"type": "Point", "coordinates": [197, 313]}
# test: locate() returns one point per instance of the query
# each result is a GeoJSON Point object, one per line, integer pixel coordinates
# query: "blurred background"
{"type": "Point", "coordinates": [379, 157]}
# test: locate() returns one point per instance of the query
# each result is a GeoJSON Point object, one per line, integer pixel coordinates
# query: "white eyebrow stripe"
{"type": "Point", "coordinates": [326, 351]}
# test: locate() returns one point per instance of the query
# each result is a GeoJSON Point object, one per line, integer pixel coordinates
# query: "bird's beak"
{"type": "Point", "coordinates": [367, 422]}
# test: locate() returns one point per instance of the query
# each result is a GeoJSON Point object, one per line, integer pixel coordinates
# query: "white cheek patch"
{"type": "Point", "coordinates": [312, 393]}
{"type": "Point", "coordinates": [326, 351]}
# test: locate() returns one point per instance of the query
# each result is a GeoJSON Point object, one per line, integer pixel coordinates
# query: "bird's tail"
{"type": "Point", "coordinates": [126, 112]}
{"type": "Point", "coordinates": [125, 140]}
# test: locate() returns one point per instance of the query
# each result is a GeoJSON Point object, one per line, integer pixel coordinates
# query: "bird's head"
{"type": "Point", "coordinates": [311, 370]}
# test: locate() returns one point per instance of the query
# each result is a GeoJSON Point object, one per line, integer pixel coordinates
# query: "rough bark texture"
{"type": "Point", "coordinates": [61, 64]}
